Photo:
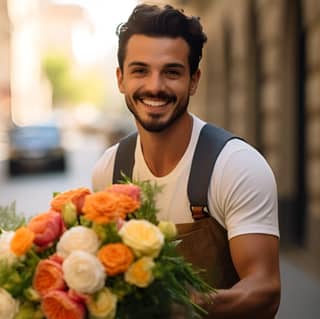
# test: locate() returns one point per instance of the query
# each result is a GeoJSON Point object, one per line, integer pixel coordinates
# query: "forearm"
{"type": "Point", "coordinates": [247, 299]}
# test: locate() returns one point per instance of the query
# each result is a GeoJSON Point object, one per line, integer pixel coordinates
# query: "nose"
{"type": "Point", "coordinates": [154, 83]}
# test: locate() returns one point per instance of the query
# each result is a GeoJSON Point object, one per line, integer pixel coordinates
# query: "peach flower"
{"type": "Point", "coordinates": [76, 196]}
{"type": "Point", "coordinates": [131, 190]}
{"type": "Point", "coordinates": [58, 305]}
{"type": "Point", "coordinates": [116, 258]}
{"type": "Point", "coordinates": [140, 272]}
{"type": "Point", "coordinates": [22, 241]}
{"type": "Point", "coordinates": [102, 305]}
{"type": "Point", "coordinates": [48, 277]}
{"type": "Point", "coordinates": [104, 207]}
{"type": "Point", "coordinates": [47, 228]}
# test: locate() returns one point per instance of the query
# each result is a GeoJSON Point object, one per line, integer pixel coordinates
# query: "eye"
{"type": "Point", "coordinates": [139, 71]}
{"type": "Point", "coordinates": [173, 73]}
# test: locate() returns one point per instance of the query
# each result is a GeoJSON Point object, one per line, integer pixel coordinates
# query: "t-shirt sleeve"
{"type": "Point", "coordinates": [103, 169]}
{"type": "Point", "coordinates": [244, 192]}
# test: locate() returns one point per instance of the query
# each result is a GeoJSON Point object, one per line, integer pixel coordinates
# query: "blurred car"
{"type": "Point", "coordinates": [35, 149]}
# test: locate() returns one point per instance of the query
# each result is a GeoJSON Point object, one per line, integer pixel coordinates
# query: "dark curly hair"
{"type": "Point", "coordinates": [154, 21]}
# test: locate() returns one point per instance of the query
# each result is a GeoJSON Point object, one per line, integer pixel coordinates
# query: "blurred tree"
{"type": "Point", "coordinates": [69, 89]}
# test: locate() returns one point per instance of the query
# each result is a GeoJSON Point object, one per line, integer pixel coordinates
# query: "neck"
{"type": "Point", "coordinates": [162, 151]}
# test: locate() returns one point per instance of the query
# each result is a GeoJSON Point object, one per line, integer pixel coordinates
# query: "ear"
{"type": "Point", "coordinates": [195, 77]}
{"type": "Point", "coordinates": [120, 80]}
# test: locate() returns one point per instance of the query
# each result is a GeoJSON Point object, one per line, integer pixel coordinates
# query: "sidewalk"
{"type": "Point", "coordinates": [300, 293]}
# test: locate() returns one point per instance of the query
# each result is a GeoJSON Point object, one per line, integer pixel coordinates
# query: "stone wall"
{"type": "Point", "coordinates": [311, 10]}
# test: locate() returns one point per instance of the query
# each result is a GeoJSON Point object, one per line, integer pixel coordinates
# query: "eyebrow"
{"type": "Point", "coordinates": [168, 65]}
{"type": "Point", "coordinates": [137, 63]}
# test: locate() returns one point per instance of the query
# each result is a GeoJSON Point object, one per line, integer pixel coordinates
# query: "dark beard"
{"type": "Point", "coordinates": [155, 125]}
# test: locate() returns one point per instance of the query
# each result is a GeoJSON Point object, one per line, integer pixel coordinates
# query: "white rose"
{"type": "Point", "coordinates": [143, 237]}
{"type": "Point", "coordinates": [78, 238]}
{"type": "Point", "coordinates": [83, 272]}
{"type": "Point", "coordinates": [6, 253]}
{"type": "Point", "coordinates": [103, 305]}
{"type": "Point", "coordinates": [8, 306]}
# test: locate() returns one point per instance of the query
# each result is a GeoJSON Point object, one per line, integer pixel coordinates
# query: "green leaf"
{"type": "Point", "coordinates": [9, 219]}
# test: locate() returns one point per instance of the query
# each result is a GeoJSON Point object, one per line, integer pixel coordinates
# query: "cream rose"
{"type": "Point", "coordinates": [103, 305]}
{"type": "Point", "coordinates": [6, 254]}
{"type": "Point", "coordinates": [140, 272]}
{"type": "Point", "coordinates": [143, 237]}
{"type": "Point", "coordinates": [78, 238]}
{"type": "Point", "coordinates": [83, 272]}
{"type": "Point", "coordinates": [9, 307]}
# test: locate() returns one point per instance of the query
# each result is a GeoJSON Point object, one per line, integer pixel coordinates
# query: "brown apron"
{"type": "Point", "coordinates": [205, 244]}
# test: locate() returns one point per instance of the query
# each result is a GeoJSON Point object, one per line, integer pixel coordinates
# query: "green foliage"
{"type": "Point", "coordinates": [29, 310]}
{"type": "Point", "coordinates": [57, 69]}
{"type": "Point", "coordinates": [18, 277]}
{"type": "Point", "coordinates": [107, 233]}
{"type": "Point", "coordinates": [9, 219]}
{"type": "Point", "coordinates": [148, 209]}
{"type": "Point", "coordinates": [175, 274]}
{"type": "Point", "coordinates": [68, 88]}
{"type": "Point", "coordinates": [120, 287]}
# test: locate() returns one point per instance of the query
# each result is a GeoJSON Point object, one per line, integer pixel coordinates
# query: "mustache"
{"type": "Point", "coordinates": [159, 95]}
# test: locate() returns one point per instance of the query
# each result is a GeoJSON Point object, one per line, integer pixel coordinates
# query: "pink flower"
{"type": "Point", "coordinates": [47, 228]}
{"type": "Point", "coordinates": [56, 258]}
{"type": "Point", "coordinates": [78, 297]}
{"type": "Point", "coordinates": [48, 277]}
{"type": "Point", "coordinates": [59, 305]}
{"type": "Point", "coordinates": [131, 190]}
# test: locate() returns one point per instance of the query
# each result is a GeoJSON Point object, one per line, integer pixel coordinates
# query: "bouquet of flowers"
{"type": "Point", "coordinates": [97, 255]}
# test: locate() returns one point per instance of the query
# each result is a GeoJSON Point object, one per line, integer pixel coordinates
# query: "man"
{"type": "Point", "coordinates": [159, 53]}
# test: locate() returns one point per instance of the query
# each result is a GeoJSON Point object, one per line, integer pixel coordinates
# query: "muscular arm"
{"type": "Point", "coordinates": [257, 294]}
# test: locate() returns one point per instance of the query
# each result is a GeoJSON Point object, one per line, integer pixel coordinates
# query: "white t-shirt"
{"type": "Point", "coordinates": [242, 194]}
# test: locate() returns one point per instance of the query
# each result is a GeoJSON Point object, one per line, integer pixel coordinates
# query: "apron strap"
{"type": "Point", "coordinates": [211, 141]}
{"type": "Point", "coordinates": [124, 160]}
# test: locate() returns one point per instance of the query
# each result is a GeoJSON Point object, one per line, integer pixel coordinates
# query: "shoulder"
{"type": "Point", "coordinates": [244, 189]}
{"type": "Point", "coordinates": [103, 169]}
{"type": "Point", "coordinates": [236, 154]}
{"type": "Point", "coordinates": [238, 158]}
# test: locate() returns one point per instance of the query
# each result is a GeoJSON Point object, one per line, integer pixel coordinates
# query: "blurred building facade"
{"type": "Point", "coordinates": [29, 30]}
{"type": "Point", "coordinates": [261, 71]}
{"type": "Point", "coordinates": [5, 91]}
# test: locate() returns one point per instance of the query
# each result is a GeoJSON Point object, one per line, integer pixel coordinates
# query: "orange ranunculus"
{"type": "Point", "coordinates": [104, 207]}
{"type": "Point", "coordinates": [48, 277]}
{"type": "Point", "coordinates": [76, 196]}
{"type": "Point", "coordinates": [22, 241]}
{"type": "Point", "coordinates": [131, 190]}
{"type": "Point", "coordinates": [47, 228]}
{"type": "Point", "coordinates": [58, 305]}
{"type": "Point", "coordinates": [116, 258]}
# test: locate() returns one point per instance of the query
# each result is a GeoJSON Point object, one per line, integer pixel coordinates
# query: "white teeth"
{"type": "Point", "coordinates": [154, 103]}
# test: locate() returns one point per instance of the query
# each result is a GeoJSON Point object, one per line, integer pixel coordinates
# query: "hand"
{"type": "Point", "coordinates": [177, 312]}
{"type": "Point", "coordinates": [204, 300]}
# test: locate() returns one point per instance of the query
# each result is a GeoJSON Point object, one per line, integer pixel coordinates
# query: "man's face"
{"type": "Point", "coordinates": [156, 80]}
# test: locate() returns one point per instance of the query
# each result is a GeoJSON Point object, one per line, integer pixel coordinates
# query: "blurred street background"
{"type": "Point", "coordinates": [260, 79]}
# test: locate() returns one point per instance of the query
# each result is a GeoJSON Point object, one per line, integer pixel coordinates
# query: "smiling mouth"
{"type": "Point", "coordinates": [154, 103]}
{"type": "Point", "coordinates": [159, 100]}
